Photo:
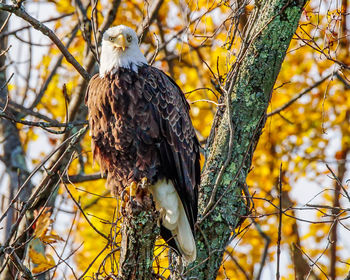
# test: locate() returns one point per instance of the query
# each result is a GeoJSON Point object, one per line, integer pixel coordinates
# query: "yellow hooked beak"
{"type": "Point", "coordinates": [121, 42]}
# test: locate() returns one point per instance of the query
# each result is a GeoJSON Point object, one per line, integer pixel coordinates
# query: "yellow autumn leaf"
{"type": "Point", "coordinates": [44, 266]}
{"type": "Point", "coordinates": [42, 224]}
{"type": "Point", "coordinates": [51, 238]}
{"type": "Point", "coordinates": [50, 260]}
{"type": "Point", "coordinates": [11, 87]}
{"type": "Point", "coordinates": [40, 261]}
{"type": "Point", "coordinates": [36, 257]}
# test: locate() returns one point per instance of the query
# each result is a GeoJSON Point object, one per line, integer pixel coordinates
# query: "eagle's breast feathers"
{"type": "Point", "coordinates": [140, 127]}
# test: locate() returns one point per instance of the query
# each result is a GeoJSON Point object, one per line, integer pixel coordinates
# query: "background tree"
{"type": "Point", "coordinates": [58, 219]}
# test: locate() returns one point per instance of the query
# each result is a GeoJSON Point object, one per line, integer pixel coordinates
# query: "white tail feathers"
{"type": "Point", "coordinates": [184, 237]}
{"type": "Point", "coordinates": [174, 218]}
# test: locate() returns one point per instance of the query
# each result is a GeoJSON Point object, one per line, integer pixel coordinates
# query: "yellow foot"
{"type": "Point", "coordinates": [132, 188]}
{"type": "Point", "coordinates": [129, 189]}
{"type": "Point", "coordinates": [144, 183]}
{"type": "Point", "coordinates": [136, 192]}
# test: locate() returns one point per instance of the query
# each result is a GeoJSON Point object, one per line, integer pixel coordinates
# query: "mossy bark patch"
{"type": "Point", "coordinates": [252, 80]}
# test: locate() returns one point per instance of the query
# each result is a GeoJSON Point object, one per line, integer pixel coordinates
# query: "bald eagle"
{"type": "Point", "coordinates": [141, 128]}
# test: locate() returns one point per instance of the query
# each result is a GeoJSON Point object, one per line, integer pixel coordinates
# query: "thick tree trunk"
{"type": "Point", "coordinates": [237, 128]}
{"type": "Point", "coordinates": [139, 232]}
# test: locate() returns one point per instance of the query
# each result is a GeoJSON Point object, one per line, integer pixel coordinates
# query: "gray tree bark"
{"type": "Point", "coordinates": [13, 156]}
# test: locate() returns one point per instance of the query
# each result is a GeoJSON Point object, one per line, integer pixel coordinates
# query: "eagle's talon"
{"type": "Point", "coordinates": [122, 195]}
{"type": "Point", "coordinates": [132, 189]}
{"type": "Point", "coordinates": [129, 189]}
{"type": "Point", "coordinates": [144, 183]}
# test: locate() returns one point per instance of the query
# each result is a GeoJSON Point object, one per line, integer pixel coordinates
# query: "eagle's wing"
{"type": "Point", "coordinates": [179, 147]}
{"type": "Point", "coordinates": [95, 86]}
{"type": "Point", "coordinates": [158, 108]}
{"type": "Point", "coordinates": [95, 100]}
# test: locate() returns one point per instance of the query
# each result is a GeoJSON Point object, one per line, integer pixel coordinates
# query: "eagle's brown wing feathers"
{"type": "Point", "coordinates": [179, 147]}
{"type": "Point", "coordinates": [140, 127]}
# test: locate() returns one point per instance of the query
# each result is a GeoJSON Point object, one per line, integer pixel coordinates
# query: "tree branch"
{"type": "Point", "coordinates": [248, 89]}
{"type": "Point", "coordinates": [79, 178]}
{"type": "Point", "coordinates": [298, 96]}
{"type": "Point", "coordinates": [20, 12]}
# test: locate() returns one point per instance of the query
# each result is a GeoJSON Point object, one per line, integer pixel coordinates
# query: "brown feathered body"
{"type": "Point", "coordinates": [140, 127]}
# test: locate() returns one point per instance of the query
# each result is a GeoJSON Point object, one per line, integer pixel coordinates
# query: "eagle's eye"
{"type": "Point", "coordinates": [111, 38]}
{"type": "Point", "coordinates": [129, 38]}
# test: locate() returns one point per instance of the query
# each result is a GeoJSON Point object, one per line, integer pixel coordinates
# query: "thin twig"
{"type": "Point", "coordinates": [73, 139]}
{"type": "Point", "coordinates": [346, 83]}
{"type": "Point", "coordinates": [5, 51]}
{"type": "Point", "coordinates": [29, 26]}
{"type": "Point", "coordinates": [202, 88]}
{"type": "Point", "coordinates": [20, 266]}
{"type": "Point", "coordinates": [24, 111]}
{"type": "Point", "coordinates": [156, 51]}
{"type": "Point", "coordinates": [45, 125]}
{"type": "Point", "coordinates": [82, 212]}
{"type": "Point", "coordinates": [7, 94]}
{"type": "Point", "coordinates": [93, 261]}
{"type": "Point", "coordinates": [6, 83]}
{"type": "Point", "coordinates": [79, 178]}
{"type": "Point", "coordinates": [338, 182]}
{"type": "Point", "coordinates": [311, 260]}
{"type": "Point", "coordinates": [266, 247]}
{"type": "Point", "coordinates": [94, 25]}
{"type": "Point", "coordinates": [279, 224]}
{"type": "Point", "coordinates": [53, 71]}
{"type": "Point", "coordinates": [208, 101]}
{"type": "Point", "coordinates": [298, 96]}
{"type": "Point", "coordinates": [151, 16]}
{"type": "Point", "coordinates": [20, 12]}
{"type": "Point", "coordinates": [241, 269]}
{"type": "Point", "coordinates": [5, 23]}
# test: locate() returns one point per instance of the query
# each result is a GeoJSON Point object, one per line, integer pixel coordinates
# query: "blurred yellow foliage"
{"type": "Point", "coordinates": [300, 137]}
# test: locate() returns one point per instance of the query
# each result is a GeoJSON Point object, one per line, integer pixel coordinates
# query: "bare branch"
{"type": "Point", "coordinates": [279, 224]}
{"type": "Point", "coordinates": [26, 274]}
{"type": "Point", "coordinates": [312, 261]}
{"type": "Point", "coordinates": [79, 178]}
{"type": "Point", "coordinates": [241, 269]}
{"type": "Point", "coordinates": [5, 85]}
{"type": "Point", "coordinates": [5, 23]}
{"type": "Point", "coordinates": [4, 34]}
{"type": "Point", "coordinates": [339, 182]}
{"type": "Point", "coordinates": [150, 17]}
{"type": "Point", "coordinates": [83, 213]}
{"type": "Point", "coordinates": [21, 110]}
{"type": "Point", "coordinates": [53, 70]}
{"type": "Point", "coordinates": [20, 12]}
{"type": "Point", "coordinates": [298, 96]}
{"type": "Point", "coordinates": [45, 125]}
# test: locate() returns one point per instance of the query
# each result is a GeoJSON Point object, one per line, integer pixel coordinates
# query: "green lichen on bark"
{"type": "Point", "coordinates": [139, 232]}
{"type": "Point", "coordinates": [252, 81]}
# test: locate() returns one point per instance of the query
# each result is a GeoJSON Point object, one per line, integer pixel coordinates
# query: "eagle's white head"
{"type": "Point", "coordinates": [120, 49]}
